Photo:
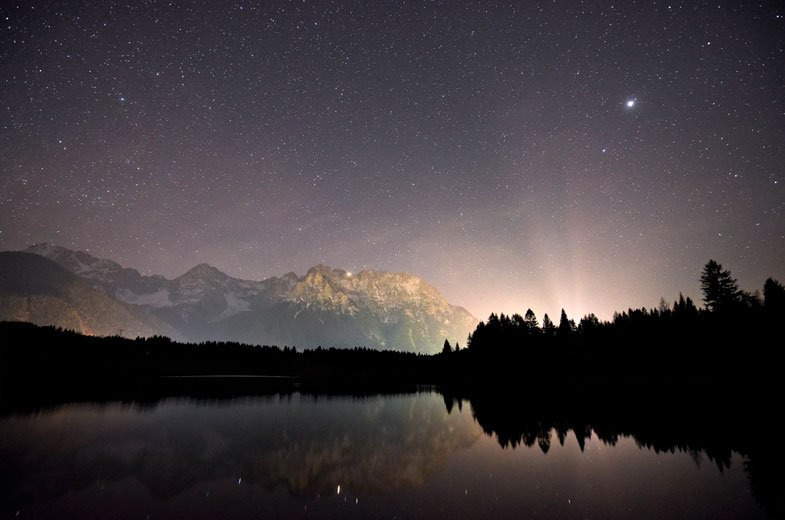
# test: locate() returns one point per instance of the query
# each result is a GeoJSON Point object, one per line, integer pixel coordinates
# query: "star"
{"type": "Point", "coordinates": [630, 103]}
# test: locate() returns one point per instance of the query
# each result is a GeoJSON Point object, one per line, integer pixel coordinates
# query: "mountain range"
{"type": "Point", "coordinates": [53, 285]}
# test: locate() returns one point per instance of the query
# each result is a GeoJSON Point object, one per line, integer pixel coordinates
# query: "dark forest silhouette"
{"type": "Point", "coordinates": [736, 330]}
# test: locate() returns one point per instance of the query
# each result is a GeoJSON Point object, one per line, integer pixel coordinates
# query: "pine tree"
{"type": "Point", "coordinates": [720, 290]}
{"type": "Point", "coordinates": [682, 306]}
{"type": "Point", "coordinates": [564, 325]}
{"type": "Point", "coordinates": [589, 323]}
{"type": "Point", "coordinates": [773, 296]}
{"type": "Point", "coordinates": [447, 349]}
{"type": "Point", "coordinates": [548, 328]}
{"type": "Point", "coordinates": [530, 320]}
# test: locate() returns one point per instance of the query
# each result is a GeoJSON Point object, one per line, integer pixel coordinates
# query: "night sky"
{"type": "Point", "coordinates": [586, 155]}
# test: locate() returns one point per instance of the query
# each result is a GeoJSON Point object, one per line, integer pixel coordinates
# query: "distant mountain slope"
{"type": "Point", "coordinates": [38, 290]}
{"type": "Point", "coordinates": [327, 306]}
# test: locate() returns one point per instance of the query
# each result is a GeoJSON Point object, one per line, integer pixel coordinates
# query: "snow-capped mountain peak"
{"type": "Point", "coordinates": [325, 306]}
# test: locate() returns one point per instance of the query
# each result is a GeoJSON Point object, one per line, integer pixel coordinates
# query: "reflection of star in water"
{"type": "Point", "coordinates": [630, 103]}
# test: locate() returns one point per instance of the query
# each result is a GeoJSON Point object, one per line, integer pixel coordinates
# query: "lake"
{"type": "Point", "coordinates": [415, 455]}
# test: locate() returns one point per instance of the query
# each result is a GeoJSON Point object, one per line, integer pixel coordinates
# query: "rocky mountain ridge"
{"type": "Point", "coordinates": [326, 306]}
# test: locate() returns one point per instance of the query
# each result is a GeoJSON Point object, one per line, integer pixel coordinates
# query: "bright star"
{"type": "Point", "coordinates": [630, 103]}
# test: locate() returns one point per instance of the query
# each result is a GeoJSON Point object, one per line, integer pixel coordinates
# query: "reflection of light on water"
{"type": "Point", "coordinates": [418, 438]}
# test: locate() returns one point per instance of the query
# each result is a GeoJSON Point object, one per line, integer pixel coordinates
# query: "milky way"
{"type": "Point", "coordinates": [586, 155]}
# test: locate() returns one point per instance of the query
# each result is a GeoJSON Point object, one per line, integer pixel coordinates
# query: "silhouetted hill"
{"type": "Point", "coordinates": [38, 290]}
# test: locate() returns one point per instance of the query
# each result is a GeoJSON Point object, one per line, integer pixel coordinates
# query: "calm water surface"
{"type": "Point", "coordinates": [302, 456]}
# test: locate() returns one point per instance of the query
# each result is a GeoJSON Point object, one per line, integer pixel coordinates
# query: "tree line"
{"type": "Point", "coordinates": [734, 327]}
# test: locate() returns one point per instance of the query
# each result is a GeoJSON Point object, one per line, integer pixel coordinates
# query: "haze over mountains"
{"type": "Point", "coordinates": [328, 307]}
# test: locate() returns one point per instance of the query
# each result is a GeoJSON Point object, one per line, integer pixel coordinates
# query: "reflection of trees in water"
{"type": "Point", "coordinates": [668, 422]}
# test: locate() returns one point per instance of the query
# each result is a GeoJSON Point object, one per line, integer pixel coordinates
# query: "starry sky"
{"type": "Point", "coordinates": [585, 155]}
